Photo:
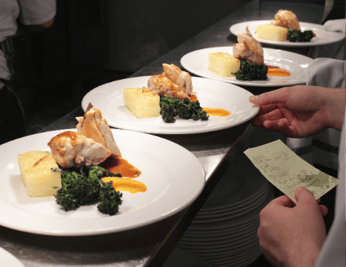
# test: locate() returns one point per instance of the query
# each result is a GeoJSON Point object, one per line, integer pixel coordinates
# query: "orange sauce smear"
{"type": "Point", "coordinates": [217, 112]}
{"type": "Point", "coordinates": [125, 184]}
{"type": "Point", "coordinates": [276, 71]}
{"type": "Point", "coordinates": [116, 164]}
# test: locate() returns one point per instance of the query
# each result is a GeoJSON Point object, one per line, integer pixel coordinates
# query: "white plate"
{"type": "Point", "coordinates": [235, 188]}
{"type": "Point", "coordinates": [323, 37]}
{"type": "Point", "coordinates": [241, 220]}
{"type": "Point", "coordinates": [197, 62]}
{"type": "Point", "coordinates": [170, 188]}
{"type": "Point", "coordinates": [108, 98]}
{"type": "Point", "coordinates": [7, 259]}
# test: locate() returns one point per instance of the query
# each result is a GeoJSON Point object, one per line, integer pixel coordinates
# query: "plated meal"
{"type": "Point", "coordinates": [229, 102]}
{"type": "Point", "coordinates": [82, 168]}
{"type": "Point", "coordinates": [170, 95]}
{"type": "Point", "coordinates": [285, 27]}
{"type": "Point", "coordinates": [287, 31]}
{"type": "Point", "coordinates": [246, 63]}
{"type": "Point", "coordinates": [279, 68]}
{"type": "Point", "coordinates": [158, 188]}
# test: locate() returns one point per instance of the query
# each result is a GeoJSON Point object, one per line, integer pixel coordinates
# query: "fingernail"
{"type": "Point", "coordinates": [253, 98]}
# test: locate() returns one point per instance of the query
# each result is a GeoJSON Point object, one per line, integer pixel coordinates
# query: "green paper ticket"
{"type": "Point", "coordinates": [287, 171]}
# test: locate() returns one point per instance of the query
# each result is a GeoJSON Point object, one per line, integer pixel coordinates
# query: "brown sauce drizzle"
{"type": "Point", "coordinates": [116, 164]}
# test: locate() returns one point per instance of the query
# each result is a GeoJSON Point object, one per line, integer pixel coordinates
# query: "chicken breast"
{"type": "Point", "coordinates": [248, 48]}
{"type": "Point", "coordinates": [94, 126]}
{"type": "Point", "coordinates": [173, 82]}
{"type": "Point", "coordinates": [287, 19]}
{"type": "Point", "coordinates": [163, 86]}
{"type": "Point", "coordinates": [71, 149]}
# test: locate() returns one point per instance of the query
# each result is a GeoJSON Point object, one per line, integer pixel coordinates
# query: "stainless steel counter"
{"type": "Point", "coordinates": [150, 245]}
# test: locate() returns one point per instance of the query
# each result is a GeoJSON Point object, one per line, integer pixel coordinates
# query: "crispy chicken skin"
{"type": "Point", "coordinates": [71, 149]}
{"type": "Point", "coordinates": [173, 82]}
{"type": "Point", "coordinates": [287, 19]}
{"type": "Point", "coordinates": [94, 126]}
{"type": "Point", "coordinates": [248, 48]}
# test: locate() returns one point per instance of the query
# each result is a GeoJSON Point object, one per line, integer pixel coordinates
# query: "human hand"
{"type": "Point", "coordinates": [300, 111]}
{"type": "Point", "coordinates": [292, 235]}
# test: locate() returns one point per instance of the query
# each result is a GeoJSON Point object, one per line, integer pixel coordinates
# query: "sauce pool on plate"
{"type": "Point", "coordinates": [276, 71]}
{"type": "Point", "coordinates": [116, 165]}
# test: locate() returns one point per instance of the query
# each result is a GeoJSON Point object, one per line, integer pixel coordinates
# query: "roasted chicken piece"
{"type": "Point", "coordinates": [71, 149]}
{"type": "Point", "coordinates": [287, 19]}
{"type": "Point", "coordinates": [173, 82]}
{"type": "Point", "coordinates": [94, 126]}
{"type": "Point", "coordinates": [248, 48]}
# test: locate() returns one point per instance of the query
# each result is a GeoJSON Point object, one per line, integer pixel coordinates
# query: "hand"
{"type": "Point", "coordinates": [292, 235]}
{"type": "Point", "coordinates": [300, 111]}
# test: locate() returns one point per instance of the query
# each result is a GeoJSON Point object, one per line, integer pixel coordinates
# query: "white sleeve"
{"type": "Point", "coordinates": [35, 12]}
{"type": "Point", "coordinates": [333, 250]}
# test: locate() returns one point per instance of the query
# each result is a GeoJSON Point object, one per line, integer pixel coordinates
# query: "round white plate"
{"type": "Point", "coordinates": [230, 230]}
{"type": "Point", "coordinates": [197, 62]}
{"type": "Point", "coordinates": [214, 233]}
{"type": "Point", "coordinates": [236, 236]}
{"type": "Point", "coordinates": [235, 187]}
{"type": "Point", "coordinates": [170, 188]}
{"type": "Point", "coordinates": [108, 98]}
{"type": "Point", "coordinates": [7, 259]}
{"type": "Point", "coordinates": [230, 239]}
{"type": "Point", "coordinates": [323, 37]}
{"type": "Point", "coordinates": [232, 213]}
{"type": "Point", "coordinates": [241, 220]}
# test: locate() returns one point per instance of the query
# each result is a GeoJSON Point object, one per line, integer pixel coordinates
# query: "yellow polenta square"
{"type": "Point", "coordinates": [37, 176]}
{"type": "Point", "coordinates": [223, 64]}
{"type": "Point", "coordinates": [271, 32]}
{"type": "Point", "coordinates": [142, 102]}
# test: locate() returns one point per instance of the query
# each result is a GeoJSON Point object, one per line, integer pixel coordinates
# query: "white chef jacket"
{"type": "Point", "coordinates": [30, 12]}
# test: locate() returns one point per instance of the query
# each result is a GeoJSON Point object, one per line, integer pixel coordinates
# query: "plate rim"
{"type": "Point", "coordinates": [199, 172]}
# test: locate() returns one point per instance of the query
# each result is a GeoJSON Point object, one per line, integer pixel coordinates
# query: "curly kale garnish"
{"type": "Point", "coordinates": [175, 108]}
{"type": "Point", "coordinates": [299, 36]}
{"type": "Point", "coordinates": [109, 199]}
{"type": "Point", "coordinates": [249, 71]}
{"type": "Point", "coordinates": [82, 186]}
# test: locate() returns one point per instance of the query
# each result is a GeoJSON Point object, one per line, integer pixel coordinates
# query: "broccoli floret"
{"type": "Point", "coordinates": [173, 108]}
{"type": "Point", "coordinates": [299, 36]}
{"type": "Point", "coordinates": [110, 199]}
{"type": "Point", "coordinates": [80, 186]}
{"type": "Point", "coordinates": [249, 71]}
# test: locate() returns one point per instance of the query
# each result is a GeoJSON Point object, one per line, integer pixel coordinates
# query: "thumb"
{"type": "Point", "coordinates": [305, 197]}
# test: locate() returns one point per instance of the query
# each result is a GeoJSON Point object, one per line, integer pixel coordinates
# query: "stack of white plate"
{"type": "Point", "coordinates": [224, 232]}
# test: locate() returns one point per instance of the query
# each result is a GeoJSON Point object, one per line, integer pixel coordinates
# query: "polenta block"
{"type": "Point", "coordinates": [223, 64]}
{"type": "Point", "coordinates": [35, 169]}
{"type": "Point", "coordinates": [271, 32]}
{"type": "Point", "coordinates": [142, 102]}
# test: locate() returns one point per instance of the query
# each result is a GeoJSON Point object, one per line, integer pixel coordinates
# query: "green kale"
{"type": "Point", "coordinates": [249, 71]}
{"type": "Point", "coordinates": [299, 36]}
{"type": "Point", "coordinates": [81, 186]}
{"type": "Point", "coordinates": [109, 199]}
{"type": "Point", "coordinates": [175, 108]}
